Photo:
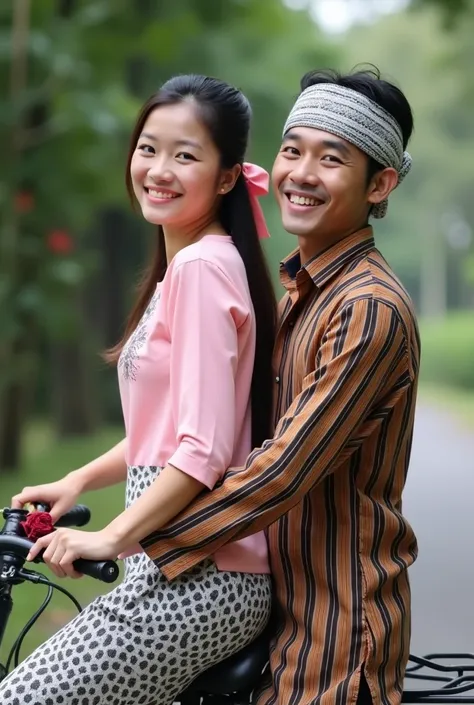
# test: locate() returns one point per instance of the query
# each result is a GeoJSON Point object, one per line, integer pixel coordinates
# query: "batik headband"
{"type": "Point", "coordinates": [357, 119]}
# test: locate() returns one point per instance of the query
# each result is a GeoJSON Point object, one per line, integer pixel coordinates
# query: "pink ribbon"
{"type": "Point", "coordinates": [257, 180]}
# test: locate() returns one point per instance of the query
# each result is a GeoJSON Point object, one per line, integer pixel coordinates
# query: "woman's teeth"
{"type": "Point", "coordinates": [160, 194]}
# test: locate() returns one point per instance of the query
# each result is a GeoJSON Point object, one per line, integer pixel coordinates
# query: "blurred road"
{"type": "Point", "coordinates": [439, 503]}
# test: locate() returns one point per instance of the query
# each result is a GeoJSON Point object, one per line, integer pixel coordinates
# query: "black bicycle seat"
{"type": "Point", "coordinates": [238, 673]}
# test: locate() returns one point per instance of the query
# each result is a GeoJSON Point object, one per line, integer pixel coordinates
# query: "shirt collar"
{"type": "Point", "coordinates": [329, 262]}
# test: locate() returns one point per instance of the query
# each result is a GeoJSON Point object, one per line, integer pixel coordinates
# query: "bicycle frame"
{"type": "Point", "coordinates": [6, 606]}
{"type": "Point", "coordinates": [455, 680]}
{"type": "Point", "coordinates": [12, 559]}
{"type": "Point", "coordinates": [14, 548]}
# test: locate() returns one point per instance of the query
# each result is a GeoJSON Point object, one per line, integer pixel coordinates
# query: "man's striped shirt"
{"type": "Point", "coordinates": [328, 486]}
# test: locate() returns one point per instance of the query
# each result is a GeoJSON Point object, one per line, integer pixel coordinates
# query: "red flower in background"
{"type": "Point", "coordinates": [60, 242]}
{"type": "Point", "coordinates": [24, 202]}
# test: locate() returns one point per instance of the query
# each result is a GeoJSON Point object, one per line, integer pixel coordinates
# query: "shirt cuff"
{"type": "Point", "coordinates": [197, 468]}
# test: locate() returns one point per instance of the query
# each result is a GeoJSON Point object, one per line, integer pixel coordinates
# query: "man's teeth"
{"type": "Point", "coordinates": [302, 200]}
{"type": "Point", "coordinates": [160, 194]}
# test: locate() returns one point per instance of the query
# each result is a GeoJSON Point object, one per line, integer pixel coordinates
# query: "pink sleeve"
{"type": "Point", "coordinates": [203, 309]}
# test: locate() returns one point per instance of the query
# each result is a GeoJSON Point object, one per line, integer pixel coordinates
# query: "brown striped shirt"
{"type": "Point", "coordinates": [328, 485]}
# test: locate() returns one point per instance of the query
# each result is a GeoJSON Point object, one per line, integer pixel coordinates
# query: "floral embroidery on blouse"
{"type": "Point", "coordinates": [128, 360]}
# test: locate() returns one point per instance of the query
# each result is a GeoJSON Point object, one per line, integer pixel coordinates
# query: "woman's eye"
{"type": "Point", "coordinates": [186, 156]}
{"type": "Point", "coordinates": [148, 149]}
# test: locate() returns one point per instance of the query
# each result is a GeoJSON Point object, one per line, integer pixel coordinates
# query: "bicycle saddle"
{"type": "Point", "coordinates": [238, 673]}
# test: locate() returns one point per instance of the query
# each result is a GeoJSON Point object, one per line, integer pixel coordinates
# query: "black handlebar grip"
{"type": "Point", "coordinates": [79, 515]}
{"type": "Point", "coordinates": [107, 571]}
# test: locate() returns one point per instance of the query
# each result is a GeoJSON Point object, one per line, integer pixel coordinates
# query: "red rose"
{"type": "Point", "coordinates": [60, 242]}
{"type": "Point", "coordinates": [24, 202]}
{"type": "Point", "coordinates": [37, 524]}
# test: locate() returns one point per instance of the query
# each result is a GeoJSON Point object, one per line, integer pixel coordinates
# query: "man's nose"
{"type": "Point", "coordinates": [305, 172]}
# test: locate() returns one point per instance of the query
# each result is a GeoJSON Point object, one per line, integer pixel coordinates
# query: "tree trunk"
{"type": "Point", "coordinates": [11, 426]}
{"type": "Point", "coordinates": [14, 399]}
{"type": "Point", "coordinates": [112, 287]}
{"type": "Point", "coordinates": [13, 391]}
{"type": "Point", "coordinates": [75, 398]}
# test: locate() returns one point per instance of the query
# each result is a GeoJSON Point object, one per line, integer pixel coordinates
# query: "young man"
{"type": "Point", "coordinates": [328, 485]}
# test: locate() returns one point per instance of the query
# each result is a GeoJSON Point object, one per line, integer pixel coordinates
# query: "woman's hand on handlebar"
{"type": "Point", "coordinates": [64, 546]}
{"type": "Point", "coordinates": [61, 496]}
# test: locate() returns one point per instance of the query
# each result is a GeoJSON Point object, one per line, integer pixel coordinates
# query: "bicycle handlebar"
{"type": "Point", "coordinates": [79, 515]}
{"type": "Point", "coordinates": [12, 542]}
{"type": "Point", "coordinates": [106, 571]}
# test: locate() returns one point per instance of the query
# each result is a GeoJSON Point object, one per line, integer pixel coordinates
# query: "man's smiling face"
{"type": "Point", "coordinates": [320, 182]}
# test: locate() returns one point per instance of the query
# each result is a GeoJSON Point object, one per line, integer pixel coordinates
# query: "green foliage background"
{"type": "Point", "coordinates": [73, 74]}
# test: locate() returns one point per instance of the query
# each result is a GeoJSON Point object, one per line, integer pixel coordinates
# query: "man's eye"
{"type": "Point", "coordinates": [290, 150]}
{"type": "Point", "coordinates": [331, 158]}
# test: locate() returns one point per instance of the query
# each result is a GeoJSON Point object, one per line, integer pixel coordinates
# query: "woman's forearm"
{"type": "Point", "coordinates": [106, 470]}
{"type": "Point", "coordinates": [169, 494]}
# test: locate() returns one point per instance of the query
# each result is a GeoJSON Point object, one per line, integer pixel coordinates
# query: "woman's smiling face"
{"type": "Point", "coordinates": [175, 168]}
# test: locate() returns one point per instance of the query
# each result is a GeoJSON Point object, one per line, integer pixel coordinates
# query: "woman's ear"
{"type": "Point", "coordinates": [382, 184]}
{"type": "Point", "coordinates": [228, 178]}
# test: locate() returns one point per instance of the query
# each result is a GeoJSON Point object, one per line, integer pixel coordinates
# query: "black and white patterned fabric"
{"type": "Point", "coordinates": [148, 639]}
{"type": "Point", "coordinates": [361, 121]}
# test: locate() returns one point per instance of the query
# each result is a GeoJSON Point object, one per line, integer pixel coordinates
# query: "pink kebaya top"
{"type": "Point", "coordinates": [185, 377]}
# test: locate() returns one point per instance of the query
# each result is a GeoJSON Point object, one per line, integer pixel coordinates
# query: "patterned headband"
{"type": "Point", "coordinates": [357, 119]}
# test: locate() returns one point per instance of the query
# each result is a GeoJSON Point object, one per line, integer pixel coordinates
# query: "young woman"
{"type": "Point", "coordinates": [195, 379]}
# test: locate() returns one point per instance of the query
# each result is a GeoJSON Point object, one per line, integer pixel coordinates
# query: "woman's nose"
{"type": "Point", "coordinates": [160, 171]}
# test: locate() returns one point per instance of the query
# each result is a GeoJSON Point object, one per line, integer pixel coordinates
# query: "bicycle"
{"type": "Point", "coordinates": [14, 548]}
{"type": "Point", "coordinates": [230, 682]}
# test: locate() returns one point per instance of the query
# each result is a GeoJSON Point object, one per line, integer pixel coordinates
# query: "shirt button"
{"type": "Point", "coordinates": [277, 380]}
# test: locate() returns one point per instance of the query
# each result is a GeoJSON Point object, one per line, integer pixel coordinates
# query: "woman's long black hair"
{"type": "Point", "coordinates": [226, 113]}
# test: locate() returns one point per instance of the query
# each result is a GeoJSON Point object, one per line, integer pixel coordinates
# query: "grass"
{"type": "Point", "coordinates": [47, 460]}
{"type": "Point", "coordinates": [459, 402]}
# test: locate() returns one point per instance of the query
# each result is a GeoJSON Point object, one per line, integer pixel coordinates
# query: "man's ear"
{"type": "Point", "coordinates": [382, 184]}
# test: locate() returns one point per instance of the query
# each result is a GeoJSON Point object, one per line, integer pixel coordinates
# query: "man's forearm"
{"type": "Point", "coordinates": [311, 441]}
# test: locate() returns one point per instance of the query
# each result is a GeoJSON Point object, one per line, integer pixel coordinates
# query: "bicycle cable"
{"type": "Point", "coordinates": [64, 591]}
{"type": "Point", "coordinates": [15, 650]}
{"type": "Point", "coordinates": [33, 576]}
